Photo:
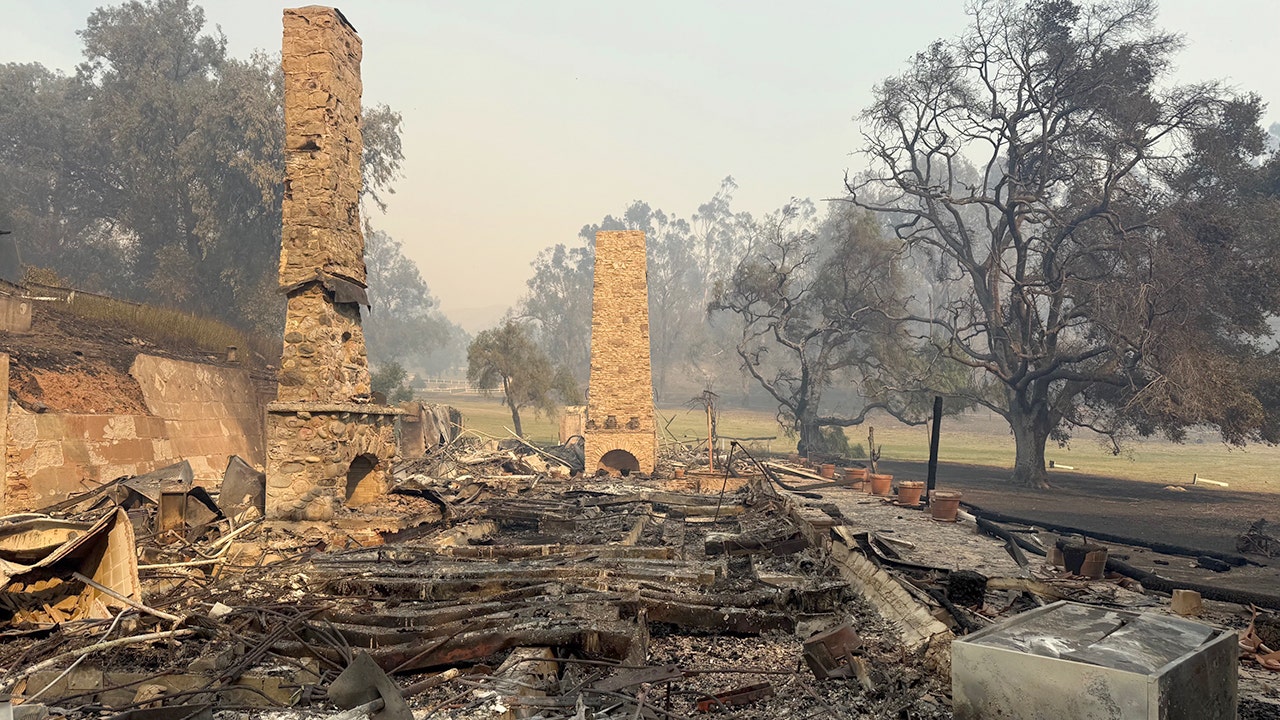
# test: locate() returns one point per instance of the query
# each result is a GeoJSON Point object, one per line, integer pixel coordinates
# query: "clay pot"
{"type": "Point", "coordinates": [909, 492]}
{"type": "Point", "coordinates": [1085, 559]}
{"type": "Point", "coordinates": [855, 474]}
{"type": "Point", "coordinates": [677, 473]}
{"type": "Point", "coordinates": [944, 504]}
{"type": "Point", "coordinates": [828, 471]}
{"type": "Point", "coordinates": [881, 484]}
{"type": "Point", "coordinates": [1095, 564]}
{"type": "Point", "coordinates": [1055, 554]}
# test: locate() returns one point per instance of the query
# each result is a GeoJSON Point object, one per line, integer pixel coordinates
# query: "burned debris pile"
{"type": "Point", "coordinates": [513, 593]}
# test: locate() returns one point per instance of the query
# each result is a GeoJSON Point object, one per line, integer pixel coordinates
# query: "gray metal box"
{"type": "Point", "coordinates": [1081, 662]}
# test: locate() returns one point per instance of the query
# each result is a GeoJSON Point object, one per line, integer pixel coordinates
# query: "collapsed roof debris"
{"type": "Point", "coordinates": [516, 591]}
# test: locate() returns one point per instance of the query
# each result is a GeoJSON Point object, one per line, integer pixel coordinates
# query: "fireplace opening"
{"type": "Point", "coordinates": [619, 462]}
{"type": "Point", "coordinates": [361, 480]}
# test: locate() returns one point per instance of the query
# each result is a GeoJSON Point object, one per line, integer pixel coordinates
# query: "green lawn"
{"type": "Point", "coordinates": [978, 439]}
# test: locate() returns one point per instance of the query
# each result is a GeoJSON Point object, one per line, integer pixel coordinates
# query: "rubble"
{"type": "Point", "coordinates": [482, 586]}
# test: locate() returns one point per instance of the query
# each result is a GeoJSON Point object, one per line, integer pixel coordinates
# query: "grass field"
{"type": "Point", "coordinates": [976, 439]}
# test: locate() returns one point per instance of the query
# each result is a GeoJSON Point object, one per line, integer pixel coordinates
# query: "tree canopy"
{"type": "Point", "coordinates": [155, 171]}
{"type": "Point", "coordinates": [1101, 233]}
{"type": "Point", "coordinates": [815, 303]}
{"type": "Point", "coordinates": [507, 357]}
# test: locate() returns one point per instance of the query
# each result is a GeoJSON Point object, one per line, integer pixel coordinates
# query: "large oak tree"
{"type": "Point", "coordinates": [1104, 241]}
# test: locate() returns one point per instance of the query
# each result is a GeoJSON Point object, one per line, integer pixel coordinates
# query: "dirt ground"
{"type": "Point", "coordinates": [1202, 517]}
{"type": "Point", "coordinates": [74, 365]}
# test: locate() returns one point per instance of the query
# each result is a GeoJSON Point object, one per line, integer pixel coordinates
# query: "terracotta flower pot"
{"type": "Point", "coordinates": [881, 484]}
{"type": "Point", "coordinates": [828, 471]}
{"type": "Point", "coordinates": [944, 505]}
{"type": "Point", "coordinates": [1085, 559]}
{"type": "Point", "coordinates": [909, 492]}
{"type": "Point", "coordinates": [1055, 554]}
{"type": "Point", "coordinates": [855, 477]}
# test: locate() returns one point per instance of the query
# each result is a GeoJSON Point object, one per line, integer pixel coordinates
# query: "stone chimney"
{"type": "Point", "coordinates": [327, 445]}
{"type": "Point", "coordinates": [621, 435]}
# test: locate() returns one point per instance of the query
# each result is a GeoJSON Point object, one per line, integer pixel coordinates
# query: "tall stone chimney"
{"type": "Point", "coordinates": [327, 445]}
{"type": "Point", "coordinates": [322, 245]}
{"type": "Point", "coordinates": [621, 435]}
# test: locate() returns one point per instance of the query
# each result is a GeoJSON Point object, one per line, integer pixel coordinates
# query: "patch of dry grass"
{"type": "Point", "coordinates": [167, 327]}
{"type": "Point", "coordinates": [975, 439]}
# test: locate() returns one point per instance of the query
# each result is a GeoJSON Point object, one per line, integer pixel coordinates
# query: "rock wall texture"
{"type": "Point", "coordinates": [321, 458]}
{"type": "Point", "coordinates": [620, 394]}
{"type": "Point", "coordinates": [321, 60]}
{"type": "Point", "coordinates": [200, 413]}
{"type": "Point", "coordinates": [324, 354]}
{"type": "Point", "coordinates": [327, 447]}
{"type": "Point", "coordinates": [210, 413]}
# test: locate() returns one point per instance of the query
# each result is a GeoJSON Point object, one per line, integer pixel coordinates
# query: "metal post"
{"type": "Point", "coordinates": [933, 447]}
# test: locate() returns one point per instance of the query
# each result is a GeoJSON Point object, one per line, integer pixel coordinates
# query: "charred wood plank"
{"type": "Point", "coordinates": [601, 641]}
{"type": "Point", "coordinates": [727, 620]}
{"type": "Point", "coordinates": [748, 544]}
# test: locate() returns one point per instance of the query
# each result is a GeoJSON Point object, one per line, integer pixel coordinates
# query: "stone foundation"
{"type": "Point", "coordinates": [321, 458]}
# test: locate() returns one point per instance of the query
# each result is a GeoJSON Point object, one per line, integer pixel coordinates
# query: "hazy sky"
{"type": "Point", "coordinates": [524, 120]}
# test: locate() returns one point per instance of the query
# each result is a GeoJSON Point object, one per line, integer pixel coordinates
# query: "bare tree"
{"type": "Point", "coordinates": [814, 304]}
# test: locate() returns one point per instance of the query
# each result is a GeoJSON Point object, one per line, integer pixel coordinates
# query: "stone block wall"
{"type": "Point", "coordinates": [199, 413]}
{"type": "Point", "coordinates": [324, 353]}
{"type": "Point", "coordinates": [210, 413]}
{"type": "Point", "coordinates": [321, 458]}
{"type": "Point", "coordinates": [620, 394]}
{"type": "Point", "coordinates": [324, 356]}
{"type": "Point", "coordinates": [327, 445]}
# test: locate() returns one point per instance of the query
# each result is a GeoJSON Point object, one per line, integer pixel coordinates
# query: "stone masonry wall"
{"type": "Point", "coordinates": [321, 60]}
{"type": "Point", "coordinates": [200, 413]}
{"type": "Point", "coordinates": [327, 447]}
{"type": "Point", "coordinates": [210, 413]}
{"type": "Point", "coordinates": [620, 395]}
{"type": "Point", "coordinates": [311, 450]}
{"type": "Point", "coordinates": [50, 456]}
{"type": "Point", "coordinates": [324, 353]}
{"type": "Point", "coordinates": [324, 356]}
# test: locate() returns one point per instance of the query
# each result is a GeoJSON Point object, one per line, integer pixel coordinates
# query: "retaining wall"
{"type": "Point", "coordinates": [200, 413]}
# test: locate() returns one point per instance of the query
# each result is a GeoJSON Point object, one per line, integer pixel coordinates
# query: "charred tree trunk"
{"type": "Point", "coordinates": [511, 403]}
{"type": "Point", "coordinates": [1030, 434]}
{"type": "Point", "coordinates": [809, 436]}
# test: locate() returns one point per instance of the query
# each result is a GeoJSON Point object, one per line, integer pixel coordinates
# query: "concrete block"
{"type": "Point", "coordinates": [50, 426]}
{"type": "Point", "coordinates": [1067, 660]}
{"type": "Point", "coordinates": [15, 314]}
